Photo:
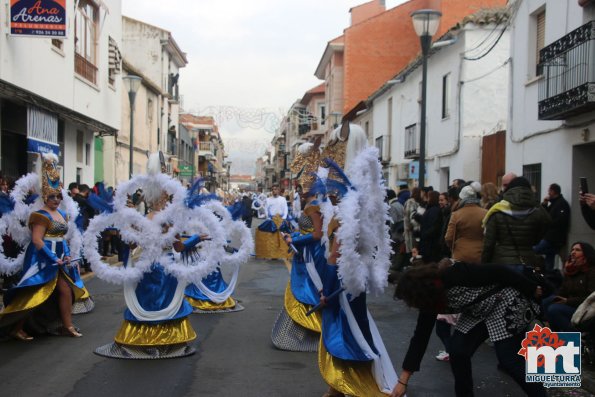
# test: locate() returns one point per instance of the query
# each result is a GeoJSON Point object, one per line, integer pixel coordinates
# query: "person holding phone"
{"type": "Point", "coordinates": [587, 201]}
{"type": "Point", "coordinates": [579, 282]}
{"type": "Point", "coordinates": [557, 231]}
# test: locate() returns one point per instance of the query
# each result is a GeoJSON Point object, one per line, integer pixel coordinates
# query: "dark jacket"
{"type": "Point", "coordinates": [526, 227]}
{"type": "Point", "coordinates": [577, 287]}
{"type": "Point", "coordinates": [86, 212]}
{"type": "Point", "coordinates": [588, 215]}
{"type": "Point", "coordinates": [461, 274]}
{"type": "Point", "coordinates": [559, 211]}
{"type": "Point", "coordinates": [429, 241]}
{"type": "Point", "coordinates": [246, 207]}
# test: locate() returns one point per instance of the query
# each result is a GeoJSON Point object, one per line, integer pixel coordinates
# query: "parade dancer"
{"type": "Point", "coordinates": [293, 329]}
{"type": "Point", "coordinates": [269, 240]}
{"type": "Point", "coordinates": [352, 357]}
{"type": "Point", "coordinates": [49, 279]}
{"type": "Point", "coordinates": [213, 294]}
{"type": "Point", "coordinates": [156, 321]}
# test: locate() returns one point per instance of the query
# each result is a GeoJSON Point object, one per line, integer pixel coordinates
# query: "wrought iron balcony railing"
{"type": "Point", "coordinates": [411, 142]}
{"type": "Point", "coordinates": [568, 84]}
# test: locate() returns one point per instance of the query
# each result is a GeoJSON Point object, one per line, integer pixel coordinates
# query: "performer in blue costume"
{"type": "Point", "coordinates": [49, 280]}
{"type": "Point", "coordinates": [156, 321]}
{"type": "Point", "coordinates": [352, 357]}
{"type": "Point", "coordinates": [213, 293]}
{"type": "Point", "coordinates": [294, 330]}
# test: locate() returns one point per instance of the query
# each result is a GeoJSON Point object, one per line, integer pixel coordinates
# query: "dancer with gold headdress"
{"type": "Point", "coordinates": [293, 329]}
{"type": "Point", "coordinates": [352, 357]}
{"type": "Point", "coordinates": [49, 280]}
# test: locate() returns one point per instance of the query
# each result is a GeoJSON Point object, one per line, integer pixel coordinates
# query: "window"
{"type": "Point", "coordinates": [533, 174]}
{"type": "Point", "coordinates": [445, 95]}
{"type": "Point", "coordinates": [539, 40]}
{"type": "Point", "coordinates": [80, 139]}
{"type": "Point", "coordinates": [411, 142]}
{"type": "Point", "coordinates": [79, 175]}
{"type": "Point", "coordinates": [379, 146]}
{"type": "Point", "coordinates": [87, 154]}
{"type": "Point", "coordinates": [322, 113]}
{"type": "Point", "coordinates": [58, 44]}
{"type": "Point", "coordinates": [85, 40]}
{"type": "Point", "coordinates": [114, 61]}
{"type": "Point", "coordinates": [390, 116]}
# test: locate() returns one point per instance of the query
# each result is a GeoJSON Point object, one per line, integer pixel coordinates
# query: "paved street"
{"type": "Point", "coordinates": [234, 353]}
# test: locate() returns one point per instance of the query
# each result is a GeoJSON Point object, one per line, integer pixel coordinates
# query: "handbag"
{"type": "Point", "coordinates": [583, 318]}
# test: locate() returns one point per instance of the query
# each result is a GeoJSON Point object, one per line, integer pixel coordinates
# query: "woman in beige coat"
{"type": "Point", "coordinates": [464, 234]}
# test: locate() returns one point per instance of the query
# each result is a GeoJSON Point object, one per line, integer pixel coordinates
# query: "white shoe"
{"type": "Point", "coordinates": [442, 356]}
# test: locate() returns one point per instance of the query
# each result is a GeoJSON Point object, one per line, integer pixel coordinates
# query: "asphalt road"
{"type": "Point", "coordinates": [234, 354]}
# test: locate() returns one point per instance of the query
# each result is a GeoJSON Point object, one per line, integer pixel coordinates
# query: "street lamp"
{"type": "Point", "coordinates": [132, 83]}
{"type": "Point", "coordinates": [336, 118]}
{"type": "Point", "coordinates": [425, 23]}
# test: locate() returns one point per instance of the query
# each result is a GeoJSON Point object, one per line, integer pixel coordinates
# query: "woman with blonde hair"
{"type": "Point", "coordinates": [489, 195]}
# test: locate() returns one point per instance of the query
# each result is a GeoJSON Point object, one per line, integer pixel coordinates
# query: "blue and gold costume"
{"type": "Point", "coordinates": [294, 330]}
{"type": "Point", "coordinates": [202, 304]}
{"type": "Point", "coordinates": [164, 331]}
{"type": "Point", "coordinates": [40, 273]}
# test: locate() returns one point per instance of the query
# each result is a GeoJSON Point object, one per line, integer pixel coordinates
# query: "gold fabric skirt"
{"type": "Point", "coordinates": [31, 297]}
{"type": "Point", "coordinates": [297, 312]}
{"type": "Point", "coordinates": [230, 303]}
{"type": "Point", "coordinates": [354, 378]}
{"type": "Point", "coordinates": [167, 333]}
{"type": "Point", "coordinates": [271, 245]}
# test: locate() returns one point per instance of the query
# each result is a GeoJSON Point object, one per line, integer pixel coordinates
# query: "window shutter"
{"type": "Point", "coordinates": [540, 36]}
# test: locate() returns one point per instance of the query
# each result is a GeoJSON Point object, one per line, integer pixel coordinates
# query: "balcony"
{"type": "Point", "coordinates": [568, 86]}
{"type": "Point", "coordinates": [206, 149]}
{"type": "Point", "coordinates": [85, 68]}
{"type": "Point", "coordinates": [382, 143]}
{"type": "Point", "coordinates": [411, 142]}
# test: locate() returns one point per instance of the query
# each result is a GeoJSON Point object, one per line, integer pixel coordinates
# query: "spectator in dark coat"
{"type": "Point", "coordinates": [514, 225]}
{"type": "Point", "coordinates": [404, 194]}
{"type": "Point", "coordinates": [86, 212]}
{"type": "Point", "coordinates": [557, 232]}
{"type": "Point", "coordinates": [247, 210]}
{"type": "Point", "coordinates": [430, 228]}
{"type": "Point", "coordinates": [587, 201]}
{"type": "Point", "coordinates": [579, 282]}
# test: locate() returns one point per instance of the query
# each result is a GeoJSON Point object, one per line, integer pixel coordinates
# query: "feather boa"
{"type": "Point", "coordinates": [365, 244]}
{"type": "Point", "coordinates": [15, 223]}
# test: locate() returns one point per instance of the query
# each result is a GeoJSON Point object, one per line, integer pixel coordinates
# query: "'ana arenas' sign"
{"type": "Point", "coordinates": [45, 18]}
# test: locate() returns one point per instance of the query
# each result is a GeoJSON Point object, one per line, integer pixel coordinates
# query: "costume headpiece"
{"type": "Point", "coordinates": [306, 163]}
{"type": "Point", "coordinates": [154, 193]}
{"type": "Point", "coordinates": [50, 177]}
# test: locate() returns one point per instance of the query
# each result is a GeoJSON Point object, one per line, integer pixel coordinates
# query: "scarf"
{"type": "Point", "coordinates": [571, 267]}
{"type": "Point", "coordinates": [506, 208]}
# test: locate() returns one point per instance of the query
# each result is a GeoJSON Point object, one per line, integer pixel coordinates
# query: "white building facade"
{"type": "Point", "coordinates": [466, 100]}
{"type": "Point", "coordinates": [151, 53]}
{"type": "Point", "coordinates": [61, 92]}
{"type": "Point", "coordinates": [551, 137]}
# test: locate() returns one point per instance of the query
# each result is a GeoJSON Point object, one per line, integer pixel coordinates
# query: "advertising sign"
{"type": "Point", "coordinates": [42, 18]}
{"type": "Point", "coordinates": [186, 170]}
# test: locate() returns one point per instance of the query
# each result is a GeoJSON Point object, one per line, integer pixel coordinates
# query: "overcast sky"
{"type": "Point", "coordinates": [248, 60]}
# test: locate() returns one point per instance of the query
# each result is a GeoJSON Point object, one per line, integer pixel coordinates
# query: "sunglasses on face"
{"type": "Point", "coordinates": [54, 197]}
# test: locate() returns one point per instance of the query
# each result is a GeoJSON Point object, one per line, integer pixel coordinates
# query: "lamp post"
{"type": "Point", "coordinates": [132, 83]}
{"type": "Point", "coordinates": [425, 23]}
{"type": "Point", "coordinates": [336, 118]}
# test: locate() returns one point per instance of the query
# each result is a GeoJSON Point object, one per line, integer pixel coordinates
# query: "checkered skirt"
{"type": "Point", "coordinates": [506, 312]}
